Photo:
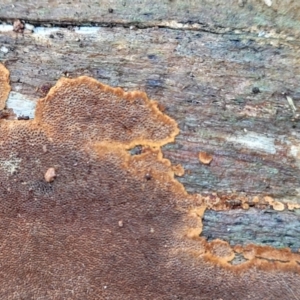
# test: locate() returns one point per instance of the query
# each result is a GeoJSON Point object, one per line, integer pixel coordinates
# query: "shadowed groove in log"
{"type": "Point", "coordinates": [214, 16]}
{"type": "Point", "coordinates": [253, 226]}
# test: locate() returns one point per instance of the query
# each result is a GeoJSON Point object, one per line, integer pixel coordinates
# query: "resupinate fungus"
{"type": "Point", "coordinates": [82, 218]}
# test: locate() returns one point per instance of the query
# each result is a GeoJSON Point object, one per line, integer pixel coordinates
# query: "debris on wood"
{"type": "Point", "coordinates": [18, 26]}
{"type": "Point", "coordinates": [50, 175]}
{"type": "Point", "coordinates": [205, 158]}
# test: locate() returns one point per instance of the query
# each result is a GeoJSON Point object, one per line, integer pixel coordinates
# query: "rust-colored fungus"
{"type": "Point", "coordinates": [276, 205]}
{"type": "Point", "coordinates": [112, 225]}
{"type": "Point", "coordinates": [205, 158]}
{"type": "Point", "coordinates": [221, 250]}
{"type": "Point", "coordinates": [4, 85]}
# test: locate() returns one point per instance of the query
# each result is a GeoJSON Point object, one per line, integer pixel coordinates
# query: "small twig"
{"type": "Point", "coordinates": [291, 103]}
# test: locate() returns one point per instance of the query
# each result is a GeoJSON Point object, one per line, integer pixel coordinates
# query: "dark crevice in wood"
{"type": "Point", "coordinates": [138, 25]}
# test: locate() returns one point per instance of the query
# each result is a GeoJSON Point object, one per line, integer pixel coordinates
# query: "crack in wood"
{"type": "Point", "coordinates": [173, 25]}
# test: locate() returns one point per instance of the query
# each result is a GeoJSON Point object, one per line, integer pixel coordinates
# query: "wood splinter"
{"type": "Point", "coordinates": [50, 175]}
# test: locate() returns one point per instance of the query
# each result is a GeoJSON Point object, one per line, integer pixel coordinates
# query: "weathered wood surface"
{"type": "Point", "coordinates": [202, 61]}
{"type": "Point", "coordinates": [214, 16]}
{"type": "Point", "coordinates": [205, 82]}
{"type": "Point", "coordinates": [265, 227]}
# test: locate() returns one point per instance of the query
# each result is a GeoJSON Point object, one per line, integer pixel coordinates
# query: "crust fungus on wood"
{"type": "Point", "coordinates": [4, 86]}
{"type": "Point", "coordinates": [205, 158]}
{"type": "Point", "coordinates": [275, 204]}
{"type": "Point", "coordinates": [102, 229]}
{"type": "Point", "coordinates": [127, 118]}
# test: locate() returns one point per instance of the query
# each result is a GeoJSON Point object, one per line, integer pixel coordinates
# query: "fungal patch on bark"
{"type": "Point", "coordinates": [205, 158]}
{"type": "Point", "coordinates": [111, 219]}
{"type": "Point", "coordinates": [4, 85]}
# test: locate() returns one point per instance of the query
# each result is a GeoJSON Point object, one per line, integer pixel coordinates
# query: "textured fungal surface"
{"type": "Point", "coordinates": [82, 218]}
{"type": "Point", "coordinates": [4, 85]}
{"type": "Point", "coordinates": [126, 118]}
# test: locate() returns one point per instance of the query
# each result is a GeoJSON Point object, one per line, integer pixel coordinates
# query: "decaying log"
{"type": "Point", "coordinates": [204, 81]}
{"type": "Point", "coordinates": [227, 73]}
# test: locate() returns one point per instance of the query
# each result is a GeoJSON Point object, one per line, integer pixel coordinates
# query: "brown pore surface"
{"type": "Point", "coordinates": [4, 85]}
{"type": "Point", "coordinates": [127, 118]}
{"type": "Point", "coordinates": [111, 225]}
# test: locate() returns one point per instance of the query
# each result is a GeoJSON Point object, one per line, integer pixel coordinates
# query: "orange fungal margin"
{"type": "Point", "coordinates": [4, 86]}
